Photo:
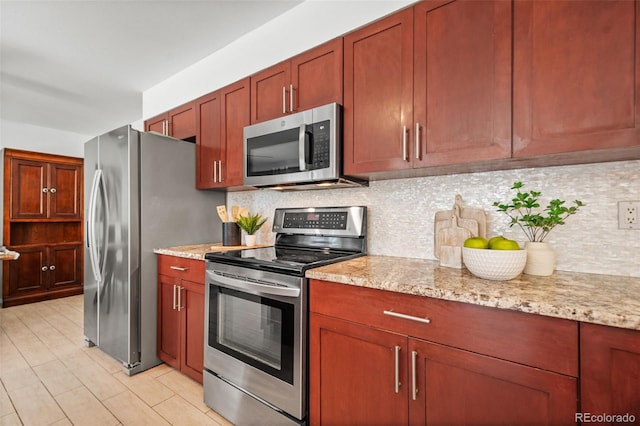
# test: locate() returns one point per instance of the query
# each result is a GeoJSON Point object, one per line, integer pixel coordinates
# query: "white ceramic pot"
{"type": "Point", "coordinates": [250, 240]}
{"type": "Point", "coordinates": [541, 259]}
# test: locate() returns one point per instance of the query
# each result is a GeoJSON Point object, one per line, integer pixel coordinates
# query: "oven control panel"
{"type": "Point", "coordinates": [315, 220]}
{"type": "Point", "coordinates": [337, 221]}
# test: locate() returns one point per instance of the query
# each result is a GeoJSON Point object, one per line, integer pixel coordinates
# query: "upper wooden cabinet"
{"type": "Point", "coordinates": [179, 123]}
{"type": "Point", "coordinates": [220, 120]}
{"type": "Point", "coordinates": [45, 190]}
{"type": "Point", "coordinates": [308, 80]}
{"type": "Point", "coordinates": [576, 76]}
{"type": "Point", "coordinates": [429, 86]}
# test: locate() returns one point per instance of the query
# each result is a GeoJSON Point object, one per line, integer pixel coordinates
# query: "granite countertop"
{"type": "Point", "coordinates": [197, 251]}
{"type": "Point", "coordinates": [599, 299]}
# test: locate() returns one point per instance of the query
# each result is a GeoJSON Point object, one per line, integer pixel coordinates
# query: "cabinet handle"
{"type": "Point", "coordinates": [284, 99]}
{"type": "Point", "coordinates": [178, 268]}
{"type": "Point", "coordinates": [53, 190]}
{"type": "Point", "coordinates": [397, 369]}
{"type": "Point", "coordinates": [215, 171]}
{"type": "Point", "coordinates": [173, 306]}
{"type": "Point", "coordinates": [45, 269]}
{"type": "Point", "coordinates": [52, 267]}
{"type": "Point", "coordinates": [45, 190]}
{"type": "Point", "coordinates": [291, 108]}
{"type": "Point", "coordinates": [408, 317]}
{"type": "Point", "coordinates": [220, 171]}
{"type": "Point", "coordinates": [417, 137]}
{"type": "Point", "coordinates": [404, 143]}
{"type": "Point", "coordinates": [180, 298]}
{"type": "Point", "coordinates": [414, 384]}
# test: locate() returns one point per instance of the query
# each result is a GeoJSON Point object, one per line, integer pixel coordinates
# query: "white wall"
{"type": "Point", "coordinates": [301, 28]}
{"type": "Point", "coordinates": [41, 139]}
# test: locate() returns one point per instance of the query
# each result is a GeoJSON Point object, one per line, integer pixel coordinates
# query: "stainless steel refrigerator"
{"type": "Point", "coordinates": [139, 195]}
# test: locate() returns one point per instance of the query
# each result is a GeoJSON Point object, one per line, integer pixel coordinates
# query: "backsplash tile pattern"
{"type": "Point", "coordinates": [401, 211]}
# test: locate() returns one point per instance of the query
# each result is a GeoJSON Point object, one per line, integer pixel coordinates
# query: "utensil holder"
{"type": "Point", "coordinates": [230, 234]}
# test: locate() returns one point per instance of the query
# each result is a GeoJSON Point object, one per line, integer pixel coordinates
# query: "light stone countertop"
{"type": "Point", "coordinates": [197, 251]}
{"type": "Point", "coordinates": [599, 299]}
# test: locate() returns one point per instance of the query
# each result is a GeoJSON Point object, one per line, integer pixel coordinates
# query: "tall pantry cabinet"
{"type": "Point", "coordinates": [43, 222]}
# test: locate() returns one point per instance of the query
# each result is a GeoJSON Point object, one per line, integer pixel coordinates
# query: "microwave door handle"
{"type": "Point", "coordinates": [302, 151]}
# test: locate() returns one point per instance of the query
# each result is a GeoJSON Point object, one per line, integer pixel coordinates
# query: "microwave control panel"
{"type": "Point", "coordinates": [320, 145]}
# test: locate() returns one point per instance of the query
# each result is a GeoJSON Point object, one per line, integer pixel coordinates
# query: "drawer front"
{"type": "Point", "coordinates": [535, 340]}
{"type": "Point", "coordinates": [180, 267]}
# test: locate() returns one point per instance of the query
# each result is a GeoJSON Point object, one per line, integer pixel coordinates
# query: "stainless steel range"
{"type": "Point", "coordinates": [256, 314]}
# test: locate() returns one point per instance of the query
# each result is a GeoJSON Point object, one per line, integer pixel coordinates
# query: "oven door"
{"type": "Point", "coordinates": [255, 333]}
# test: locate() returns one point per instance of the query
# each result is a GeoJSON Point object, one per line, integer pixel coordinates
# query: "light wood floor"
{"type": "Point", "coordinates": [49, 377]}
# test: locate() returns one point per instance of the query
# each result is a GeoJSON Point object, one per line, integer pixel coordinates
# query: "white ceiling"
{"type": "Point", "coordinates": [81, 66]}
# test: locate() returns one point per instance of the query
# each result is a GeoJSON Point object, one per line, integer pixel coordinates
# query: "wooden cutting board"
{"type": "Point", "coordinates": [471, 224]}
{"type": "Point", "coordinates": [479, 215]}
{"type": "Point", "coordinates": [450, 241]}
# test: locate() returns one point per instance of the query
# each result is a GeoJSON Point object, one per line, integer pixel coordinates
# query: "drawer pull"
{"type": "Point", "coordinates": [408, 317]}
{"type": "Point", "coordinates": [179, 268]}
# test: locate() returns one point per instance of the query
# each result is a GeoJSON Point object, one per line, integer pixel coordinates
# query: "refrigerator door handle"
{"type": "Point", "coordinates": [91, 224]}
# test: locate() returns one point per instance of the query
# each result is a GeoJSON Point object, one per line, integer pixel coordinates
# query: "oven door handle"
{"type": "Point", "coordinates": [255, 288]}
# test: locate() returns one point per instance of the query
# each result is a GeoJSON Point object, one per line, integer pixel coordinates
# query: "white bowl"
{"type": "Point", "coordinates": [494, 264]}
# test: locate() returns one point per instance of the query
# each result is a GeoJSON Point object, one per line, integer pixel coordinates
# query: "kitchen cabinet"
{"type": "Point", "coordinates": [610, 371]}
{"type": "Point", "coordinates": [43, 197]}
{"type": "Point", "coordinates": [45, 189]}
{"type": "Point", "coordinates": [220, 119]}
{"type": "Point", "coordinates": [181, 314]}
{"type": "Point", "coordinates": [179, 122]}
{"type": "Point", "coordinates": [416, 360]}
{"type": "Point", "coordinates": [575, 89]}
{"type": "Point", "coordinates": [429, 85]}
{"type": "Point", "coordinates": [308, 80]}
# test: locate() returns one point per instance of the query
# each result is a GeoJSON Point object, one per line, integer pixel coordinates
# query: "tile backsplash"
{"type": "Point", "coordinates": [401, 211]}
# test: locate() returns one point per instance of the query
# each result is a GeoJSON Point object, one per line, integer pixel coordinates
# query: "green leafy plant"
{"type": "Point", "coordinates": [523, 211]}
{"type": "Point", "coordinates": [251, 223]}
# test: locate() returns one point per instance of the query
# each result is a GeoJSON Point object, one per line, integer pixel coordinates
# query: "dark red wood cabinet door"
{"type": "Point", "coordinates": [65, 265]}
{"type": "Point", "coordinates": [610, 371]}
{"type": "Point", "coordinates": [209, 143]}
{"type": "Point", "coordinates": [182, 122]}
{"type": "Point", "coordinates": [462, 83]}
{"type": "Point", "coordinates": [458, 387]}
{"type": "Point", "coordinates": [378, 95]}
{"type": "Point", "coordinates": [270, 92]}
{"type": "Point", "coordinates": [26, 274]}
{"type": "Point", "coordinates": [29, 189]}
{"type": "Point", "coordinates": [316, 77]}
{"type": "Point", "coordinates": [352, 374]}
{"type": "Point", "coordinates": [235, 116]}
{"type": "Point", "coordinates": [192, 346]}
{"type": "Point", "coordinates": [156, 124]}
{"type": "Point", "coordinates": [65, 192]}
{"type": "Point", "coordinates": [576, 76]}
{"type": "Point", "coordinates": [168, 333]}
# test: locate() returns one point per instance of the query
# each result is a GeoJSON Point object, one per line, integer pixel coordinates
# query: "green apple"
{"type": "Point", "coordinates": [476, 242]}
{"type": "Point", "coordinates": [505, 244]}
{"type": "Point", "coordinates": [493, 240]}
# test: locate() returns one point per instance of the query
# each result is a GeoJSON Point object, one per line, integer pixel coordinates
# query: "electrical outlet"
{"type": "Point", "coordinates": [629, 215]}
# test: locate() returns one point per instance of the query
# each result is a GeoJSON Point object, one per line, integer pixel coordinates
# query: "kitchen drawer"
{"type": "Point", "coordinates": [534, 340]}
{"type": "Point", "coordinates": [180, 267]}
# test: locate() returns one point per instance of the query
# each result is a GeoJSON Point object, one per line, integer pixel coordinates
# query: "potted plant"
{"type": "Point", "coordinates": [524, 210]}
{"type": "Point", "coordinates": [251, 224]}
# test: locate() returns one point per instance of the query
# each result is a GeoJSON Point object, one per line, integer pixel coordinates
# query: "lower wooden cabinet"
{"type": "Point", "coordinates": [43, 272]}
{"type": "Point", "coordinates": [362, 374]}
{"type": "Point", "coordinates": [610, 373]}
{"type": "Point", "coordinates": [181, 314]}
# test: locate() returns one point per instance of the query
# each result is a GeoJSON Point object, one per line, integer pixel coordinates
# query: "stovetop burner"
{"type": "Point", "coordinates": [306, 238]}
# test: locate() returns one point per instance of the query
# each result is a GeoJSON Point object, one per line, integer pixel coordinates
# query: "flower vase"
{"type": "Point", "coordinates": [541, 259]}
{"type": "Point", "coordinates": [250, 240]}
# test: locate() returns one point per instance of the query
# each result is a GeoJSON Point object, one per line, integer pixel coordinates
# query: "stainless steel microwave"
{"type": "Point", "coordinates": [301, 148]}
